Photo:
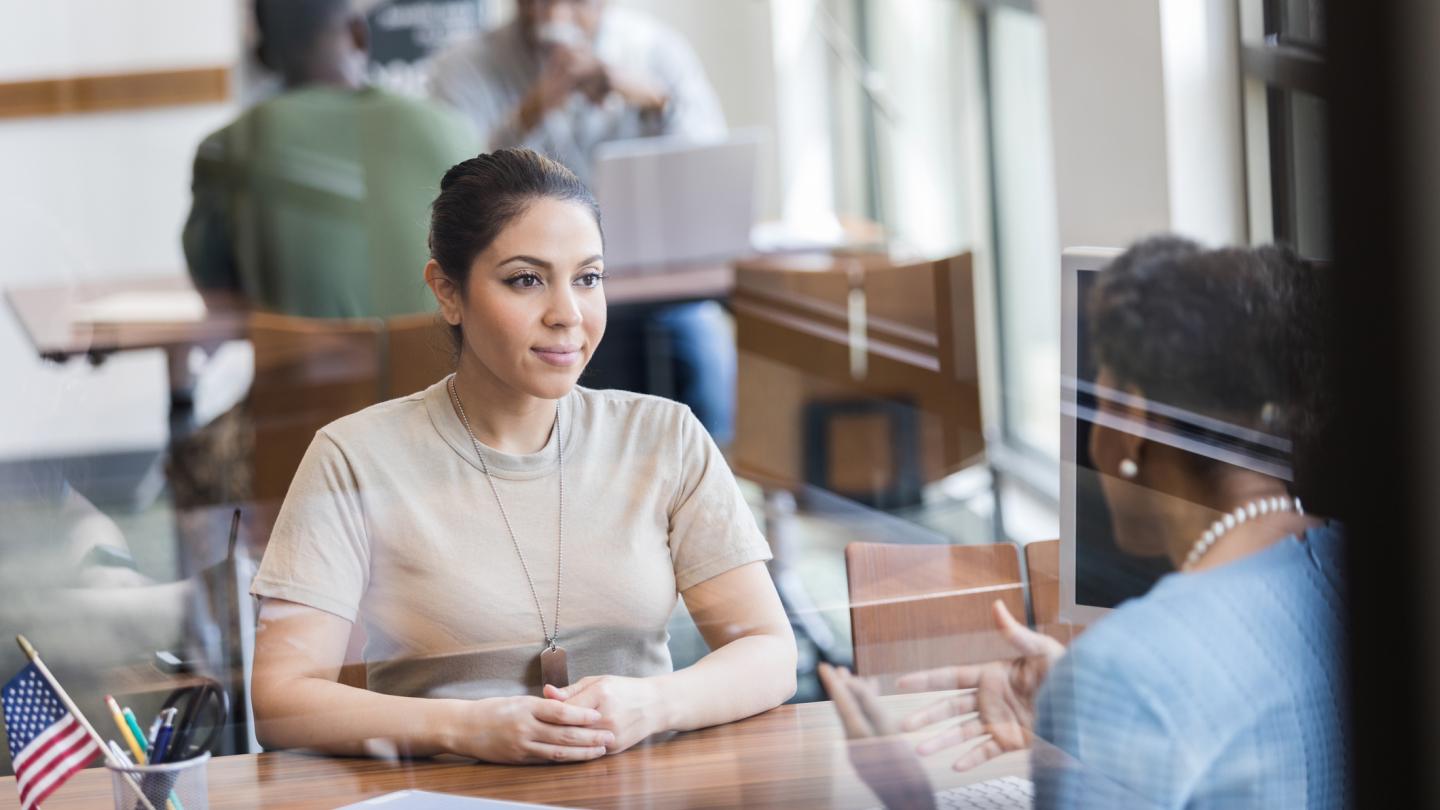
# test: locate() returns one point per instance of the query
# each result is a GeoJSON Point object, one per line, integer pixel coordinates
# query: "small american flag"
{"type": "Point", "coordinates": [47, 744]}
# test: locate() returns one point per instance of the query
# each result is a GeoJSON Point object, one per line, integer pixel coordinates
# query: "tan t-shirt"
{"type": "Point", "coordinates": [390, 522]}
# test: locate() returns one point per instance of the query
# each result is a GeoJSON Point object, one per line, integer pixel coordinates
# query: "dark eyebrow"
{"type": "Point", "coordinates": [528, 260]}
{"type": "Point", "coordinates": [592, 260]}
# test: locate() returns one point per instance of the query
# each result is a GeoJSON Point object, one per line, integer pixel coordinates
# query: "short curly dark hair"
{"type": "Point", "coordinates": [1234, 334]}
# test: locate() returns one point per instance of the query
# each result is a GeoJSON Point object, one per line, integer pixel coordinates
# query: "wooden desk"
{"type": "Point", "coordinates": [792, 756]}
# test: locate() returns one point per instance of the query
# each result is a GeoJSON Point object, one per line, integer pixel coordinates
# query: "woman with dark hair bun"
{"type": "Point", "coordinates": [1223, 686]}
{"type": "Point", "coordinates": [513, 544]}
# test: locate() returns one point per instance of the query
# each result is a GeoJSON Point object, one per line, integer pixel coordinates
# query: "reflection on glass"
{"type": "Point", "coordinates": [1222, 684]}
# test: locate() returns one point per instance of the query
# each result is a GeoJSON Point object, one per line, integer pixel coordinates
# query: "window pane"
{"type": "Point", "coordinates": [1027, 249]}
{"type": "Point", "coordinates": [1301, 176]}
{"type": "Point", "coordinates": [1299, 21]}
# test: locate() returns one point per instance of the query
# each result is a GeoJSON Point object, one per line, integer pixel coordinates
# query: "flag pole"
{"type": "Point", "coordinates": [75, 711]}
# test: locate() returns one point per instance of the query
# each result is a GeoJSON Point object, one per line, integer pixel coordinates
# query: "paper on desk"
{"type": "Point", "coordinates": [160, 306]}
{"type": "Point", "coordinates": [403, 799]}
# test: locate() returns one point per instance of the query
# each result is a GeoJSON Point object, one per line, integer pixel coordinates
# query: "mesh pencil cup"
{"type": "Point", "coordinates": [171, 786]}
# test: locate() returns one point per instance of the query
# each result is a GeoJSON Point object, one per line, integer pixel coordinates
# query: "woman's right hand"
{"type": "Point", "coordinates": [528, 730]}
{"type": "Point", "coordinates": [1002, 700]}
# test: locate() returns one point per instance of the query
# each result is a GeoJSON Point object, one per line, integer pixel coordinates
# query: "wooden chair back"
{"type": "Point", "coordinates": [834, 328]}
{"type": "Point", "coordinates": [1042, 566]}
{"type": "Point", "coordinates": [308, 373]}
{"type": "Point", "coordinates": [915, 607]}
{"type": "Point", "coordinates": [418, 353]}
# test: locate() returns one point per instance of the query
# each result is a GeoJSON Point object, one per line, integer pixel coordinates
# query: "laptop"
{"type": "Point", "coordinates": [670, 201]}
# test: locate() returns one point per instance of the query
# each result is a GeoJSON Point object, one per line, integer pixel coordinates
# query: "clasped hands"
{"type": "Point", "coordinates": [571, 68]}
{"type": "Point", "coordinates": [997, 708]}
{"type": "Point", "coordinates": [593, 717]}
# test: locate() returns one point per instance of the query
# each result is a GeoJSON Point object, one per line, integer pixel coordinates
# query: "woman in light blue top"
{"type": "Point", "coordinates": [1223, 687]}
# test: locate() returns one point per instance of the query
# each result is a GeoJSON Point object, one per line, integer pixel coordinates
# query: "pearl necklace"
{"type": "Point", "coordinates": [1254, 509]}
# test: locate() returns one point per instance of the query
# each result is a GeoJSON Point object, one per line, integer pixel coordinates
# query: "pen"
{"type": "Point", "coordinates": [125, 733]}
{"type": "Point", "coordinates": [162, 739]}
{"type": "Point", "coordinates": [135, 729]}
{"type": "Point", "coordinates": [119, 753]}
{"type": "Point", "coordinates": [172, 803]}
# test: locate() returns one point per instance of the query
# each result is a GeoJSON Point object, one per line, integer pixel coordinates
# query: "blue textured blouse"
{"type": "Point", "coordinates": [1219, 689]}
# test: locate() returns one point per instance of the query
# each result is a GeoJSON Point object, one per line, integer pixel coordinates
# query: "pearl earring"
{"type": "Point", "coordinates": [1128, 468]}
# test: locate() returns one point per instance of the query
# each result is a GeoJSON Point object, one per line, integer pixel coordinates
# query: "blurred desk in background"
{"type": "Point", "coordinates": [58, 319]}
{"type": "Point", "coordinates": [55, 318]}
{"type": "Point", "coordinates": [87, 319]}
{"type": "Point", "coordinates": [791, 756]}
{"type": "Point", "coordinates": [64, 321]}
{"type": "Point", "coordinates": [698, 282]}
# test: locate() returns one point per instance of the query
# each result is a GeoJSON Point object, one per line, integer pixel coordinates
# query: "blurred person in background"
{"type": "Point", "coordinates": [310, 204]}
{"type": "Point", "coordinates": [568, 75]}
{"type": "Point", "coordinates": [313, 203]}
{"type": "Point", "coordinates": [1224, 686]}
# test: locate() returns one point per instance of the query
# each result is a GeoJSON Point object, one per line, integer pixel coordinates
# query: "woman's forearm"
{"type": "Point", "coordinates": [332, 718]}
{"type": "Point", "coordinates": [745, 677]}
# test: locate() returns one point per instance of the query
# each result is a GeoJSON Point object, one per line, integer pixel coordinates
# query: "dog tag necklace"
{"type": "Point", "coordinates": [553, 668]}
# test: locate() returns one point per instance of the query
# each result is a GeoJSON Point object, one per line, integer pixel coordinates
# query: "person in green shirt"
{"type": "Point", "coordinates": [314, 203]}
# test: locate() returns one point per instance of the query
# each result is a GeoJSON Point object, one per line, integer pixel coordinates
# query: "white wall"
{"type": "Point", "coordinates": [1203, 125]}
{"type": "Point", "coordinates": [1108, 117]}
{"type": "Point", "coordinates": [1145, 105]}
{"type": "Point", "coordinates": [95, 196]}
{"type": "Point", "coordinates": [52, 38]}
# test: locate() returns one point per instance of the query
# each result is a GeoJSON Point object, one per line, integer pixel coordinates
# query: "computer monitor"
{"type": "Point", "coordinates": [1095, 574]}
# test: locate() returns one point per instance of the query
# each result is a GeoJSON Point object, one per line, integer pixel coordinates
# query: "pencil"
{"type": "Point", "coordinates": [125, 733]}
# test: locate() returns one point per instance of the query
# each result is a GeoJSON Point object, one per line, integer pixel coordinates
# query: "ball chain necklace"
{"type": "Point", "coordinates": [1251, 510]}
{"type": "Point", "coordinates": [553, 668]}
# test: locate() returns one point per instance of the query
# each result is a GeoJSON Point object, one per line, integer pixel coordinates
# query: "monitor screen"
{"type": "Point", "coordinates": [1105, 575]}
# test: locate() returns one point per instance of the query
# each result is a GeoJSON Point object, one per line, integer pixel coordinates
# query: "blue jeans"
{"type": "Point", "coordinates": [703, 350]}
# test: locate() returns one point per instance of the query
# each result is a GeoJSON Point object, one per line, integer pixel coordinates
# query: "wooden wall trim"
{"type": "Point", "coordinates": [119, 91]}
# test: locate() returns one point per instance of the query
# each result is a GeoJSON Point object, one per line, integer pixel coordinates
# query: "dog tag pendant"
{"type": "Point", "coordinates": [553, 669]}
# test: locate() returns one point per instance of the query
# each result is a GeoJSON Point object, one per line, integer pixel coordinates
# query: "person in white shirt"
{"type": "Point", "coordinates": [568, 75]}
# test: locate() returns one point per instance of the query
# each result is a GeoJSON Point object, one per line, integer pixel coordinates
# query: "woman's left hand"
{"type": "Point", "coordinates": [629, 707]}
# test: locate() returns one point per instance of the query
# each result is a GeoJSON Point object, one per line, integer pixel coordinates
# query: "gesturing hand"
{"type": "Point", "coordinates": [528, 729]}
{"type": "Point", "coordinates": [882, 759]}
{"type": "Point", "coordinates": [628, 707]}
{"type": "Point", "coordinates": [1003, 698]}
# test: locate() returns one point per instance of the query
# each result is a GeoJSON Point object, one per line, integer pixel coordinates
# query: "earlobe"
{"type": "Point", "coordinates": [444, 290]}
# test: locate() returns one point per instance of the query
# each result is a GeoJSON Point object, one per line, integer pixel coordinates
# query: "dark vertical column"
{"type": "Point", "coordinates": [1379, 473]}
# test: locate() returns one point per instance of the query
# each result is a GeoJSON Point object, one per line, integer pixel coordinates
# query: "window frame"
{"type": "Point", "coordinates": [1273, 68]}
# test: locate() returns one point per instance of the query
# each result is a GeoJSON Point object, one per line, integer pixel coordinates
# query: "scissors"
{"type": "Point", "coordinates": [201, 711]}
